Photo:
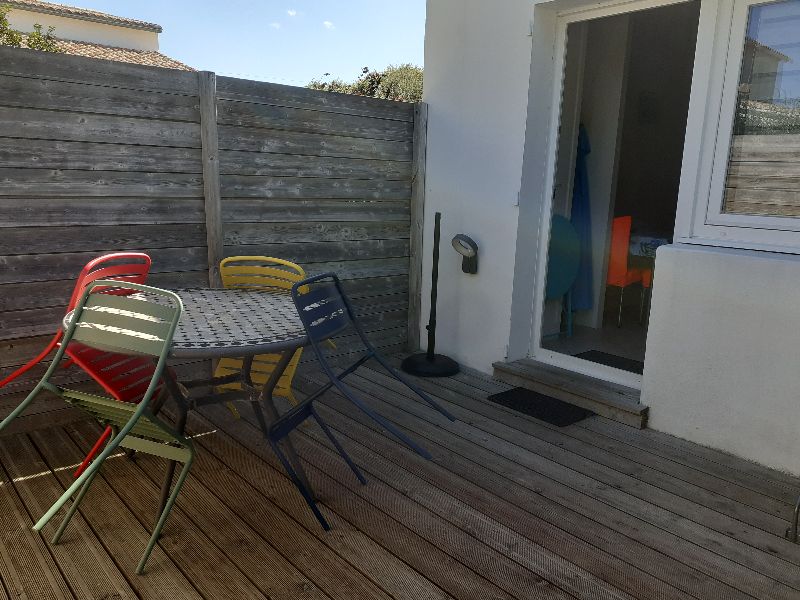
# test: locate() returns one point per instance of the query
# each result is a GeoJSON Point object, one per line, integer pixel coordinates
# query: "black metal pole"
{"type": "Point", "coordinates": [428, 363]}
{"type": "Point", "coordinates": [434, 285]}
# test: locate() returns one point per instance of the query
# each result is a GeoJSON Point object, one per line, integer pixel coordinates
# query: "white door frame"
{"type": "Point", "coordinates": [562, 21]}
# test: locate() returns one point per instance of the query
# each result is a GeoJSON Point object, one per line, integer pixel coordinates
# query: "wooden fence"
{"type": "Point", "coordinates": [98, 156]}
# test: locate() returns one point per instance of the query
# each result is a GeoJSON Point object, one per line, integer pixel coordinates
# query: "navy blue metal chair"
{"type": "Point", "coordinates": [325, 312]}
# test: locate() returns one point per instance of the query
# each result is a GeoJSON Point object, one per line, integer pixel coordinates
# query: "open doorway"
{"type": "Point", "coordinates": [625, 100]}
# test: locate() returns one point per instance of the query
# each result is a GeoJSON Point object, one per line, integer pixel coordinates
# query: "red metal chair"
{"type": "Point", "coordinates": [125, 378]}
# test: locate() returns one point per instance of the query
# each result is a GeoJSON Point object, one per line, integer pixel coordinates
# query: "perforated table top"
{"type": "Point", "coordinates": [219, 323]}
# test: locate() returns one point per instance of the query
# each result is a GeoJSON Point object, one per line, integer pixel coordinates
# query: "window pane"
{"type": "Point", "coordinates": [764, 169]}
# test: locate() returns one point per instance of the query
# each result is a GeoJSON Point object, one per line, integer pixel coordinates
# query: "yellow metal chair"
{"type": "Point", "coordinates": [253, 273]}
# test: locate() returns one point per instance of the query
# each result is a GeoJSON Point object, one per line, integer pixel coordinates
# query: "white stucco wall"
{"type": "Point", "coordinates": [477, 67]}
{"type": "Point", "coordinates": [723, 364]}
{"type": "Point", "coordinates": [85, 31]}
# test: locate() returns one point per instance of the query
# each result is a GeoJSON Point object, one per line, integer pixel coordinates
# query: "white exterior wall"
{"type": "Point", "coordinates": [477, 66]}
{"type": "Point", "coordinates": [85, 31]}
{"type": "Point", "coordinates": [722, 366]}
{"type": "Point", "coordinates": [723, 351]}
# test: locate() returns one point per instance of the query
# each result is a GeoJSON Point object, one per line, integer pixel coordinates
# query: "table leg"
{"type": "Point", "coordinates": [267, 401]}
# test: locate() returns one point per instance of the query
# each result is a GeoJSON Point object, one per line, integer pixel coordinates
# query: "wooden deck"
{"type": "Point", "coordinates": [509, 508]}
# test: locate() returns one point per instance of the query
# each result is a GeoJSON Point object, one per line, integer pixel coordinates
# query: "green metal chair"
{"type": "Point", "coordinates": [142, 324]}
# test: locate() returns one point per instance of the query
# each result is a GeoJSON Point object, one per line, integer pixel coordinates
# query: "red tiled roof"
{"type": "Point", "coordinates": [138, 57]}
{"type": "Point", "coordinates": [81, 13]}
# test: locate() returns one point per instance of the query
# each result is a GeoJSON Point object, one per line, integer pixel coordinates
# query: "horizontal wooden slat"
{"type": "Point", "coordinates": [229, 88]}
{"type": "Point", "coordinates": [762, 181]}
{"type": "Point", "coordinates": [237, 210]}
{"type": "Point", "coordinates": [308, 144]}
{"type": "Point", "coordinates": [82, 127]}
{"type": "Point", "coordinates": [234, 162]}
{"type": "Point", "coordinates": [43, 294]}
{"type": "Point", "coordinates": [361, 269]}
{"type": "Point", "coordinates": [28, 323]}
{"type": "Point", "coordinates": [244, 186]}
{"type": "Point", "coordinates": [63, 67]}
{"type": "Point", "coordinates": [763, 201]}
{"type": "Point", "coordinates": [81, 238]}
{"type": "Point", "coordinates": [376, 286]}
{"type": "Point", "coordinates": [764, 169]}
{"type": "Point", "coordinates": [32, 212]}
{"type": "Point", "coordinates": [237, 234]}
{"type": "Point", "coordinates": [250, 114]}
{"type": "Point", "coordinates": [33, 92]}
{"type": "Point", "coordinates": [44, 267]}
{"type": "Point", "coordinates": [305, 252]}
{"type": "Point", "coordinates": [782, 148]}
{"type": "Point", "coordinates": [53, 183]}
{"type": "Point", "coordinates": [90, 156]}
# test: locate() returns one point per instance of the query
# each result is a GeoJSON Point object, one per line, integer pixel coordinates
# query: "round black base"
{"type": "Point", "coordinates": [421, 366]}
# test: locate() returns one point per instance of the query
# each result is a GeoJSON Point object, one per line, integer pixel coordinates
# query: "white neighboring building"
{"type": "Point", "coordinates": [94, 34]}
{"type": "Point", "coordinates": [693, 112]}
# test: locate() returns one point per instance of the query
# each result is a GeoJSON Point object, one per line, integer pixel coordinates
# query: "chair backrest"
{"type": "Point", "coordinates": [563, 257]}
{"type": "Point", "coordinates": [620, 242]}
{"type": "Point", "coordinates": [257, 272]}
{"type": "Point", "coordinates": [130, 267]}
{"type": "Point", "coordinates": [140, 320]}
{"type": "Point", "coordinates": [323, 307]}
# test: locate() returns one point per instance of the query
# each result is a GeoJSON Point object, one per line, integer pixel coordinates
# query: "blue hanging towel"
{"type": "Point", "coordinates": [582, 296]}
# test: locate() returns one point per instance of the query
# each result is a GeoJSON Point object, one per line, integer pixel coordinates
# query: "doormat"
{"type": "Point", "coordinates": [612, 360]}
{"type": "Point", "coordinates": [541, 407]}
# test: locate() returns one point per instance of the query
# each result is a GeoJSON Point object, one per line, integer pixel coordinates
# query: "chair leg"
{"type": "Point", "coordinates": [104, 437]}
{"type": "Point", "coordinates": [619, 314]}
{"type": "Point", "coordinates": [791, 533]}
{"type": "Point", "coordinates": [73, 508]}
{"type": "Point", "coordinates": [568, 302]}
{"type": "Point", "coordinates": [641, 305]}
{"type": "Point", "coordinates": [383, 421]}
{"type": "Point", "coordinates": [338, 447]}
{"type": "Point", "coordinates": [413, 387]}
{"type": "Point", "coordinates": [180, 427]}
{"type": "Point", "coordinates": [165, 512]}
{"type": "Point", "coordinates": [304, 491]}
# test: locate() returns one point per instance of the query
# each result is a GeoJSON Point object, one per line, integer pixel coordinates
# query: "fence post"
{"type": "Point", "coordinates": [207, 86]}
{"type": "Point", "coordinates": [417, 222]}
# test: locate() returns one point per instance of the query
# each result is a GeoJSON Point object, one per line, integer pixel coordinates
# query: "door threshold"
{"type": "Point", "coordinates": [611, 400]}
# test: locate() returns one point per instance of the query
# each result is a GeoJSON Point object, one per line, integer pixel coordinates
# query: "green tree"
{"type": "Point", "coordinates": [403, 82]}
{"type": "Point", "coordinates": [36, 40]}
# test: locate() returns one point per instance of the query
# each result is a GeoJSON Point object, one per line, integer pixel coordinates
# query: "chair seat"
{"type": "Point", "coordinates": [116, 414]}
{"type": "Point", "coordinates": [630, 277]}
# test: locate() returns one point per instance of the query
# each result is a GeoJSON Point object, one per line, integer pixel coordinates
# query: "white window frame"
{"type": "Point", "coordinates": [700, 216]}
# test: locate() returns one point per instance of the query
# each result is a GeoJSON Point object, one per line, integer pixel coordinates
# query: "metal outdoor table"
{"type": "Point", "coordinates": [219, 323]}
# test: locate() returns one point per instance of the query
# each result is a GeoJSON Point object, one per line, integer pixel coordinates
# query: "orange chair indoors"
{"type": "Point", "coordinates": [619, 274]}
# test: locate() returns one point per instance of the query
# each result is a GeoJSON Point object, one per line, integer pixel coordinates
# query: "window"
{"type": "Point", "coordinates": [740, 184]}
{"type": "Point", "coordinates": [763, 174]}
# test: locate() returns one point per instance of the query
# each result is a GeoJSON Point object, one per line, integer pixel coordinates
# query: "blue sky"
{"type": "Point", "coordinates": [283, 42]}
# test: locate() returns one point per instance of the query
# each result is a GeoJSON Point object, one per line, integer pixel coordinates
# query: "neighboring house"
{"type": "Point", "coordinates": [692, 113]}
{"type": "Point", "coordinates": [94, 34]}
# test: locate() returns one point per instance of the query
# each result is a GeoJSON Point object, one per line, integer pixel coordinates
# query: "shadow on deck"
{"type": "Point", "coordinates": [509, 508]}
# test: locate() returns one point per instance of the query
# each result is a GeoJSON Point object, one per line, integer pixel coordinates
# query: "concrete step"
{"type": "Point", "coordinates": [610, 400]}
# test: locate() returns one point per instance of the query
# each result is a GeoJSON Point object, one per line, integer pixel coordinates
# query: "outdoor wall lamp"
{"type": "Point", "coordinates": [466, 247]}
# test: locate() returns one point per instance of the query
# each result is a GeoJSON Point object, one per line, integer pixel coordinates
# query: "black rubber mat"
{"type": "Point", "coordinates": [612, 360]}
{"type": "Point", "coordinates": [539, 406]}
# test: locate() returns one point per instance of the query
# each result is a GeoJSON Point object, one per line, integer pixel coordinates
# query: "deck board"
{"type": "Point", "coordinates": [510, 508]}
